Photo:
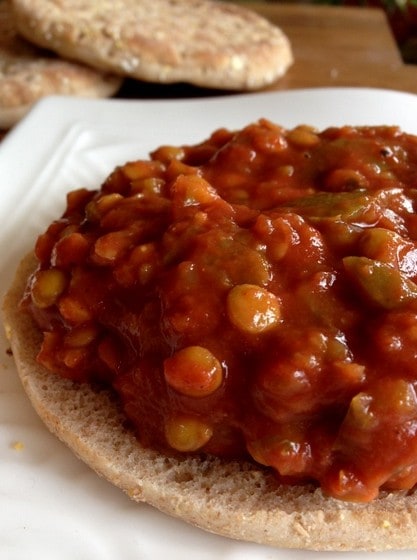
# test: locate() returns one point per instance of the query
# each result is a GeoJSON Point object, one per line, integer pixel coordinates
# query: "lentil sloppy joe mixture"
{"type": "Point", "coordinates": [252, 296]}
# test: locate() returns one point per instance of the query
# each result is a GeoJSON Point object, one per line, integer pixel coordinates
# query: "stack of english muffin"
{"type": "Point", "coordinates": [87, 48]}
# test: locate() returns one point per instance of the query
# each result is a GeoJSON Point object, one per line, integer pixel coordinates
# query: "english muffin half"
{"type": "Point", "coordinates": [202, 42]}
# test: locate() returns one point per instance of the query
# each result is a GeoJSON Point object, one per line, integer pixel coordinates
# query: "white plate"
{"type": "Point", "coordinates": [51, 505]}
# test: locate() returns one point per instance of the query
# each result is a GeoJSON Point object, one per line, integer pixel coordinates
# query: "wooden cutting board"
{"type": "Point", "coordinates": [339, 46]}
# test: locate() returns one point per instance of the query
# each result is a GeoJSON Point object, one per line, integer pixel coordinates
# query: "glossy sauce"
{"type": "Point", "coordinates": [252, 296]}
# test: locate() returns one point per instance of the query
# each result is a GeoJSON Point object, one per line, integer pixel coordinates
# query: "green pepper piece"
{"type": "Point", "coordinates": [350, 205]}
{"type": "Point", "coordinates": [380, 283]}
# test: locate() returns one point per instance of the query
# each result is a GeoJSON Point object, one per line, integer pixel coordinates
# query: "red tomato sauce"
{"type": "Point", "coordinates": [252, 296]}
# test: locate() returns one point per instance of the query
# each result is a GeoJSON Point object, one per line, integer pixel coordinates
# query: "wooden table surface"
{"type": "Point", "coordinates": [333, 46]}
{"type": "Point", "coordinates": [340, 46]}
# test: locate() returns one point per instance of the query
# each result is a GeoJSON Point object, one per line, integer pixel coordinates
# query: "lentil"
{"type": "Point", "coordinates": [252, 309]}
{"type": "Point", "coordinates": [187, 433]}
{"type": "Point", "coordinates": [193, 371]}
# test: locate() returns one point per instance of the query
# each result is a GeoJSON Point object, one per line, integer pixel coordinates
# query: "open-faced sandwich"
{"type": "Point", "coordinates": [228, 331]}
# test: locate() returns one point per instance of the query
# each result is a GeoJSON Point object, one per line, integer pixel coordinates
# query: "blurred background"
{"type": "Point", "coordinates": [401, 15]}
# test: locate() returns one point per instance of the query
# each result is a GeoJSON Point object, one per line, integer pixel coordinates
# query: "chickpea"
{"type": "Point", "coordinates": [47, 286]}
{"type": "Point", "coordinates": [187, 433]}
{"type": "Point", "coordinates": [193, 371]}
{"type": "Point", "coordinates": [253, 309]}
